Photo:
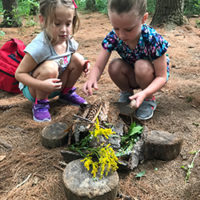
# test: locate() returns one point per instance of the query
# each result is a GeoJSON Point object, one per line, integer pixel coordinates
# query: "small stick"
{"type": "Point", "coordinates": [6, 107]}
{"type": "Point", "coordinates": [5, 144]}
{"type": "Point", "coordinates": [87, 120]}
{"type": "Point", "coordinates": [72, 126]}
{"type": "Point", "coordinates": [121, 195]}
{"type": "Point", "coordinates": [97, 113]}
{"type": "Point", "coordinates": [24, 181]}
{"type": "Point", "coordinates": [59, 168]}
{"type": "Point", "coordinates": [62, 164]}
{"type": "Point", "coordinates": [69, 136]}
{"type": "Point", "coordinates": [67, 129]}
{"type": "Point", "coordinates": [39, 176]}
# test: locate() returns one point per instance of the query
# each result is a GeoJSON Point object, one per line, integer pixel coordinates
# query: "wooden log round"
{"type": "Point", "coordinates": [162, 145]}
{"type": "Point", "coordinates": [54, 135]}
{"type": "Point", "coordinates": [80, 185]}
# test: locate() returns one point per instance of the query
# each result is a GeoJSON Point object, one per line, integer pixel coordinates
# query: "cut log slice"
{"type": "Point", "coordinates": [69, 156]}
{"type": "Point", "coordinates": [162, 145]}
{"type": "Point", "coordinates": [80, 185]}
{"type": "Point", "coordinates": [54, 135]}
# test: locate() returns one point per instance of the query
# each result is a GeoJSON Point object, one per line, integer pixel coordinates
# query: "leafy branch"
{"type": "Point", "coordinates": [190, 166]}
{"type": "Point", "coordinates": [128, 140]}
{"type": "Point", "coordinates": [101, 158]}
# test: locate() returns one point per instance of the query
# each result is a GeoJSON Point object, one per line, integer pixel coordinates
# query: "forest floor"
{"type": "Point", "coordinates": [178, 112]}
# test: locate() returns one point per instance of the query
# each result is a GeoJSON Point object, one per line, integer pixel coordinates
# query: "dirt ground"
{"type": "Point", "coordinates": [29, 171]}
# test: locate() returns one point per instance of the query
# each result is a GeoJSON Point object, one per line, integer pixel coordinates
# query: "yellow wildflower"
{"type": "Point", "coordinates": [105, 155]}
{"type": "Point", "coordinates": [95, 167]}
{"type": "Point", "coordinates": [87, 162]}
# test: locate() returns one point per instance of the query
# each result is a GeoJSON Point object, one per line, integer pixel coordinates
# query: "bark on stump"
{"type": "Point", "coordinates": [54, 135]}
{"type": "Point", "coordinates": [80, 185]}
{"type": "Point", "coordinates": [161, 145]}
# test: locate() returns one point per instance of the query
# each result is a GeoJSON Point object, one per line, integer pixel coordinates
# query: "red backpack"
{"type": "Point", "coordinates": [11, 53]}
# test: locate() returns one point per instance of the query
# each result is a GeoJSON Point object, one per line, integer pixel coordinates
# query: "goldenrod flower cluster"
{"type": "Point", "coordinates": [102, 158]}
{"type": "Point", "coordinates": [108, 160]}
{"type": "Point", "coordinates": [88, 161]}
{"type": "Point", "coordinates": [106, 132]}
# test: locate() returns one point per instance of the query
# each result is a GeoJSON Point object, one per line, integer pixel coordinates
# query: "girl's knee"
{"type": "Point", "coordinates": [77, 56]}
{"type": "Point", "coordinates": [77, 60]}
{"type": "Point", "coordinates": [48, 69]}
{"type": "Point", "coordinates": [114, 66]}
{"type": "Point", "coordinates": [143, 68]}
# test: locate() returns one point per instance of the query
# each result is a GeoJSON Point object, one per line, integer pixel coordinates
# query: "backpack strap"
{"type": "Point", "coordinates": [20, 47]}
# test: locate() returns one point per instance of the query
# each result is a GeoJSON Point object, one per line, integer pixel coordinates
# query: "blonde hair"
{"type": "Point", "coordinates": [47, 10]}
{"type": "Point", "coordinates": [124, 6]}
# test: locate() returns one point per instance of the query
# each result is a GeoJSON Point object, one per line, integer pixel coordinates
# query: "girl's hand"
{"type": "Point", "coordinates": [96, 71]}
{"type": "Point", "coordinates": [86, 67]}
{"type": "Point", "coordinates": [139, 98]}
{"type": "Point", "coordinates": [52, 84]}
{"type": "Point", "coordinates": [87, 88]}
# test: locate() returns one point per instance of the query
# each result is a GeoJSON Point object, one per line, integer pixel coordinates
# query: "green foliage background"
{"type": "Point", "coordinates": [192, 7]}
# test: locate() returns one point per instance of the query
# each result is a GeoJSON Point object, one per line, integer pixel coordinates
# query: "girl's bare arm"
{"type": "Point", "coordinates": [160, 67]}
{"type": "Point", "coordinates": [26, 66]}
{"type": "Point", "coordinates": [23, 75]}
{"type": "Point", "coordinates": [96, 71]}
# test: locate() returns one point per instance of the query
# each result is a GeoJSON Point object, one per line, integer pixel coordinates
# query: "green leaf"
{"type": "Point", "coordinates": [122, 153]}
{"type": "Point", "coordinates": [130, 146]}
{"type": "Point", "coordinates": [2, 33]}
{"type": "Point", "coordinates": [191, 166]}
{"type": "Point", "coordinates": [195, 124]}
{"type": "Point", "coordinates": [134, 129]}
{"type": "Point", "coordinates": [192, 152]}
{"type": "Point", "coordinates": [133, 135]}
{"type": "Point", "coordinates": [183, 167]}
{"type": "Point", "coordinates": [140, 174]}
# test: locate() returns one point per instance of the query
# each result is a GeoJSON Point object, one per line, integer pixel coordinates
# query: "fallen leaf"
{"type": "Point", "coordinates": [2, 157]}
{"type": "Point", "coordinates": [140, 174]}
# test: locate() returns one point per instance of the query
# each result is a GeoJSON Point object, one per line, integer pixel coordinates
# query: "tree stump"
{"type": "Point", "coordinates": [80, 185]}
{"type": "Point", "coordinates": [54, 135]}
{"type": "Point", "coordinates": [161, 145]}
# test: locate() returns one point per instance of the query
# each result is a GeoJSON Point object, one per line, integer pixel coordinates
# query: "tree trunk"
{"type": "Point", "coordinates": [10, 16]}
{"type": "Point", "coordinates": [90, 5]}
{"type": "Point", "coordinates": [168, 12]}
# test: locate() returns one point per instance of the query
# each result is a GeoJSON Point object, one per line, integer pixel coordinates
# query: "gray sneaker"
{"type": "Point", "coordinates": [146, 110]}
{"type": "Point", "coordinates": [124, 97]}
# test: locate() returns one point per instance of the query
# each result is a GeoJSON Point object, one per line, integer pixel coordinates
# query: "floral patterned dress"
{"type": "Point", "coordinates": [151, 46]}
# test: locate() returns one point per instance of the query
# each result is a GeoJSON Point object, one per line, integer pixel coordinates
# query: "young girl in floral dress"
{"type": "Point", "coordinates": [143, 63]}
